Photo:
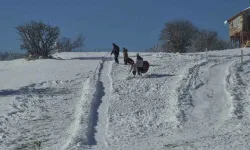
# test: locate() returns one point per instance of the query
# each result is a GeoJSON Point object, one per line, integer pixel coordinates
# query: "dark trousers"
{"type": "Point", "coordinates": [134, 73]}
{"type": "Point", "coordinates": [116, 59]}
{"type": "Point", "coordinates": [139, 70]}
{"type": "Point", "coordinates": [125, 61]}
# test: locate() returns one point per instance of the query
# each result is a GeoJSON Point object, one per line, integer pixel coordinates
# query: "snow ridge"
{"type": "Point", "coordinates": [80, 118]}
{"type": "Point", "coordinates": [82, 130]}
{"type": "Point", "coordinates": [187, 85]}
{"type": "Point", "coordinates": [238, 90]}
{"type": "Point", "coordinates": [110, 89]}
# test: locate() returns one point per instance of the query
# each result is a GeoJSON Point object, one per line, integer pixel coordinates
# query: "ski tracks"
{"type": "Point", "coordinates": [213, 105]}
{"type": "Point", "coordinates": [90, 126]}
{"type": "Point", "coordinates": [219, 108]}
{"type": "Point", "coordinates": [202, 95]}
{"type": "Point", "coordinates": [102, 126]}
{"type": "Point", "coordinates": [188, 84]}
{"type": "Point", "coordinates": [237, 87]}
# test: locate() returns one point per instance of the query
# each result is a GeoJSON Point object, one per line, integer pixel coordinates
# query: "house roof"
{"type": "Point", "coordinates": [228, 20]}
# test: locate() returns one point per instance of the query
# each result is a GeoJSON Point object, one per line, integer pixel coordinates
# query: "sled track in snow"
{"type": "Point", "coordinates": [237, 89]}
{"type": "Point", "coordinates": [189, 83]}
{"type": "Point", "coordinates": [96, 101]}
{"type": "Point", "coordinates": [97, 122]}
{"type": "Point", "coordinates": [86, 116]}
{"type": "Point", "coordinates": [84, 131]}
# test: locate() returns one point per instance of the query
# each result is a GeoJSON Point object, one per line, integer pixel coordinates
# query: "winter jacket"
{"type": "Point", "coordinates": [139, 61]}
{"type": "Point", "coordinates": [116, 50]}
{"type": "Point", "coordinates": [125, 53]}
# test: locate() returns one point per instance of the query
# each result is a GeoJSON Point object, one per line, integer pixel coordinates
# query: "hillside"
{"type": "Point", "coordinates": [78, 101]}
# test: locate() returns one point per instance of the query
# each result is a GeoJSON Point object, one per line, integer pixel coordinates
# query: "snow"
{"type": "Point", "coordinates": [246, 8]}
{"type": "Point", "coordinates": [38, 100]}
{"type": "Point", "coordinates": [85, 101]}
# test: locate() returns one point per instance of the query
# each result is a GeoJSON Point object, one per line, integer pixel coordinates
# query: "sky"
{"type": "Point", "coordinates": [134, 24]}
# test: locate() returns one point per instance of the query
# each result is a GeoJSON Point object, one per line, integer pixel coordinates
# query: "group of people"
{"type": "Point", "coordinates": [136, 67]}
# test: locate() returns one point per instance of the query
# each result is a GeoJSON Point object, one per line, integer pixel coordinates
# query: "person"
{"type": "Point", "coordinates": [139, 64]}
{"type": "Point", "coordinates": [115, 51]}
{"type": "Point", "coordinates": [133, 69]}
{"type": "Point", "coordinates": [125, 56]}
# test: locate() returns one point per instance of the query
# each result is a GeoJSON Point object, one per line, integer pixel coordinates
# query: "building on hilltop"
{"type": "Point", "coordinates": [239, 29]}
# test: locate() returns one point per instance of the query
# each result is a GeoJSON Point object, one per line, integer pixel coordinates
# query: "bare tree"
{"type": "Point", "coordinates": [220, 44]}
{"type": "Point", "coordinates": [208, 39]}
{"type": "Point", "coordinates": [65, 44]}
{"type": "Point", "coordinates": [177, 35]}
{"type": "Point", "coordinates": [155, 48]}
{"type": "Point", "coordinates": [38, 38]}
{"type": "Point", "coordinates": [203, 39]}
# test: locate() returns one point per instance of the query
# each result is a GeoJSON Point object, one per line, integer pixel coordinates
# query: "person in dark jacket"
{"type": "Point", "coordinates": [139, 64]}
{"type": "Point", "coordinates": [125, 56]}
{"type": "Point", "coordinates": [116, 51]}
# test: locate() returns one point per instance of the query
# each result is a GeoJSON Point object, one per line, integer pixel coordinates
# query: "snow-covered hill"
{"type": "Point", "coordinates": [79, 101]}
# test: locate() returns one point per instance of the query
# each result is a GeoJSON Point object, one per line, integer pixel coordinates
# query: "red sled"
{"type": "Point", "coordinates": [145, 67]}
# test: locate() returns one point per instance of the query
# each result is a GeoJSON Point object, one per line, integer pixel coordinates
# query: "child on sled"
{"type": "Point", "coordinates": [137, 66]}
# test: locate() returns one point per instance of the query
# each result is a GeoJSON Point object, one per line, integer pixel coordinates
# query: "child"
{"type": "Point", "coordinates": [139, 64]}
{"type": "Point", "coordinates": [125, 56]}
{"type": "Point", "coordinates": [133, 69]}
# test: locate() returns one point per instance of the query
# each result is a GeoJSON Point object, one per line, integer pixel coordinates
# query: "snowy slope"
{"type": "Point", "coordinates": [39, 99]}
{"type": "Point", "coordinates": [185, 101]}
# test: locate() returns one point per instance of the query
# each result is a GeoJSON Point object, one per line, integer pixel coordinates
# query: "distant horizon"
{"type": "Point", "coordinates": [84, 49]}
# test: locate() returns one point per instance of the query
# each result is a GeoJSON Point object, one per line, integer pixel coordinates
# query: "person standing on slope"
{"type": "Point", "coordinates": [115, 51]}
{"type": "Point", "coordinates": [139, 64]}
{"type": "Point", "coordinates": [125, 55]}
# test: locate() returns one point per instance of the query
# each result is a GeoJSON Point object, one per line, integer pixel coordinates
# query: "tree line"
{"type": "Point", "coordinates": [10, 56]}
{"type": "Point", "coordinates": [183, 36]}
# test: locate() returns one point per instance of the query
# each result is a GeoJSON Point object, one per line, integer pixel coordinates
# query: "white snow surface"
{"type": "Point", "coordinates": [86, 101]}
{"type": "Point", "coordinates": [246, 8]}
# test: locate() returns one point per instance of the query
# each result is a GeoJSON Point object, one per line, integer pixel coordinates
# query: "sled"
{"type": "Point", "coordinates": [145, 67]}
{"type": "Point", "coordinates": [130, 61]}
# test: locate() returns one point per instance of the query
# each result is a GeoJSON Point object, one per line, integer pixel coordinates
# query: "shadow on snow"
{"type": "Point", "coordinates": [31, 90]}
{"type": "Point", "coordinates": [158, 75]}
